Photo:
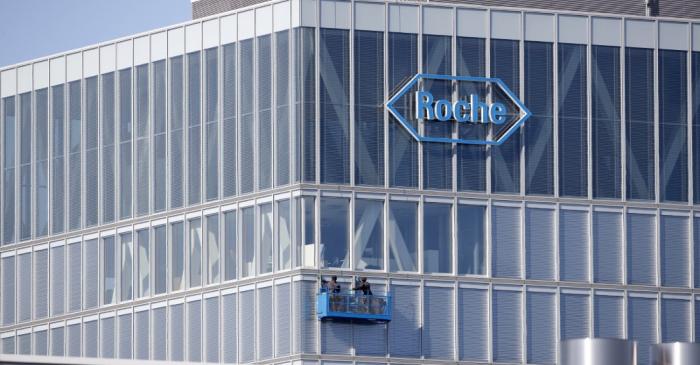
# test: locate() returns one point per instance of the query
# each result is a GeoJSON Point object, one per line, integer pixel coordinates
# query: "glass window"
{"type": "Point", "coordinates": [673, 126]}
{"type": "Point", "coordinates": [213, 249]}
{"type": "Point", "coordinates": [212, 123]}
{"type": "Point", "coordinates": [471, 239]}
{"type": "Point", "coordinates": [177, 256]}
{"type": "Point", "coordinates": [507, 326]}
{"type": "Point", "coordinates": [57, 156]}
{"type": "Point", "coordinates": [160, 260]}
{"type": "Point", "coordinates": [264, 112]}
{"type": "Point", "coordinates": [265, 231]}
{"type": "Point", "coordinates": [505, 158]}
{"type": "Point", "coordinates": [369, 111]}
{"type": "Point", "coordinates": [194, 130]}
{"type": "Point", "coordinates": [675, 246]}
{"type": "Point", "coordinates": [369, 234]}
{"type": "Point", "coordinates": [284, 235]}
{"type": "Point", "coordinates": [8, 290]}
{"type": "Point", "coordinates": [75, 270]}
{"type": "Point", "coordinates": [574, 315]}
{"type": "Point", "coordinates": [639, 112]}
{"type": "Point", "coordinates": [41, 164]}
{"type": "Point", "coordinates": [675, 320]}
{"type": "Point", "coordinates": [403, 153]}
{"type": "Point", "coordinates": [195, 243]}
{"type": "Point", "coordinates": [403, 236]}
{"type": "Point", "coordinates": [471, 159]}
{"type": "Point", "coordinates": [248, 242]}
{"type": "Point", "coordinates": [541, 327]}
{"type": "Point", "coordinates": [8, 181]}
{"type": "Point", "coordinates": [143, 266]}
{"type": "Point", "coordinates": [74, 155]}
{"type": "Point", "coordinates": [642, 324]}
{"type": "Point", "coordinates": [539, 243]}
{"type": "Point", "coordinates": [177, 104]}
{"type": "Point", "coordinates": [696, 125]}
{"type": "Point", "coordinates": [334, 232]}
{"type": "Point", "coordinates": [305, 103]}
{"type": "Point", "coordinates": [91, 277]}
{"type": "Point", "coordinates": [108, 148]}
{"type": "Point", "coordinates": [607, 247]}
{"type": "Point", "coordinates": [305, 236]}
{"type": "Point", "coordinates": [142, 139]}
{"type": "Point", "coordinates": [437, 157]}
{"type": "Point", "coordinates": [228, 89]}
{"type": "Point", "coordinates": [125, 143]}
{"type": "Point", "coordinates": [605, 107]}
{"type": "Point", "coordinates": [539, 141]}
{"type": "Point", "coordinates": [437, 238]}
{"type": "Point", "coordinates": [282, 114]}
{"type": "Point", "coordinates": [505, 240]}
{"type": "Point", "coordinates": [126, 271]}
{"type": "Point", "coordinates": [573, 120]}
{"type": "Point", "coordinates": [573, 245]}
{"type": "Point", "coordinates": [641, 249]}
{"type": "Point", "coordinates": [230, 240]}
{"type": "Point", "coordinates": [57, 282]}
{"type": "Point", "coordinates": [609, 316]}
{"type": "Point", "coordinates": [247, 126]}
{"type": "Point", "coordinates": [91, 152]}
{"type": "Point", "coordinates": [159, 136]}
{"type": "Point", "coordinates": [109, 271]}
{"type": "Point", "coordinates": [25, 166]}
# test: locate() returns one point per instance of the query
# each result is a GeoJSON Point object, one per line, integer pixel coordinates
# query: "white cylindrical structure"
{"type": "Point", "coordinates": [675, 353]}
{"type": "Point", "coordinates": [598, 351]}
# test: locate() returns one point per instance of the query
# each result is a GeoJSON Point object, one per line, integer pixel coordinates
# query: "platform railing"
{"type": "Point", "coordinates": [353, 306]}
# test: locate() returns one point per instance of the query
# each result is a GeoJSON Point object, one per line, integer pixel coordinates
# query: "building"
{"type": "Point", "coordinates": [177, 194]}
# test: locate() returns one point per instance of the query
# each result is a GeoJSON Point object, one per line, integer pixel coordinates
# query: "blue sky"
{"type": "Point", "coordinates": [35, 28]}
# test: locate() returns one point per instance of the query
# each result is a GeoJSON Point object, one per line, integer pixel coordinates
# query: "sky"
{"type": "Point", "coordinates": [35, 28]}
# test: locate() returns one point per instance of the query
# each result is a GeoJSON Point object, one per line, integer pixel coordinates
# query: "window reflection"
{"type": "Point", "coordinates": [369, 234]}
{"type": "Point", "coordinates": [334, 232]}
{"type": "Point", "coordinates": [437, 243]}
{"type": "Point", "coordinates": [403, 236]}
{"type": "Point", "coordinates": [471, 226]}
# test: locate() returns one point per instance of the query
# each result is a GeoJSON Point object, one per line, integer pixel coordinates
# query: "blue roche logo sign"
{"type": "Point", "coordinates": [457, 109]}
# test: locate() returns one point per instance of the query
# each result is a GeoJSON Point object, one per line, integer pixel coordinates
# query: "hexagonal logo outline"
{"type": "Point", "coordinates": [525, 113]}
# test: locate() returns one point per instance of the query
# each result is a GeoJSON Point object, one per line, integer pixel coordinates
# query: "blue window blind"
{"type": "Point", "coordinates": [675, 262]}
{"type": "Point", "coordinates": [124, 336]}
{"type": "Point", "coordinates": [264, 111]}
{"type": "Point", "coordinates": [473, 324]}
{"type": "Point", "coordinates": [675, 320]}
{"type": "Point", "coordinates": [177, 134]}
{"type": "Point", "coordinates": [336, 338]}
{"type": "Point", "coordinates": [405, 327]}
{"type": "Point", "coordinates": [540, 241]}
{"type": "Point", "coordinates": [403, 150]}
{"type": "Point", "coordinates": [505, 159]}
{"type": "Point", "coordinates": [177, 332]}
{"type": "Point", "coordinates": [605, 107]}
{"type": "Point", "coordinates": [305, 103]}
{"type": "Point", "coordinates": [229, 156]}
{"type": "Point", "coordinates": [24, 287]}
{"type": "Point", "coordinates": [334, 100]}
{"type": "Point", "coordinates": [125, 136]}
{"type": "Point", "coordinates": [247, 326]}
{"type": "Point", "coordinates": [539, 138]}
{"type": "Point", "coordinates": [696, 125]}
{"type": "Point", "coordinates": [159, 340]}
{"type": "Point", "coordinates": [506, 249]}
{"type": "Point", "coordinates": [639, 112]}
{"type": "Point", "coordinates": [641, 324]}
{"type": "Point", "coordinates": [107, 340]}
{"type": "Point", "coordinates": [73, 343]}
{"type": "Point", "coordinates": [369, 113]}
{"type": "Point", "coordinates": [229, 331]}
{"type": "Point", "coordinates": [541, 327]}
{"type": "Point", "coordinates": [143, 132]}
{"type": "Point", "coordinates": [438, 319]}
{"type": "Point", "coordinates": [57, 158]}
{"type": "Point", "coordinates": [9, 123]}
{"type": "Point", "coordinates": [247, 152]}
{"type": "Point", "coordinates": [573, 121]}
{"type": "Point", "coordinates": [91, 152]}
{"type": "Point", "coordinates": [673, 126]}
{"type": "Point", "coordinates": [608, 312]}
{"type": "Point", "coordinates": [75, 146]}
{"type": "Point", "coordinates": [8, 291]}
{"type": "Point", "coordinates": [471, 159]}
{"type": "Point", "coordinates": [574, 315]}
{"type": "Point", "coordinates": [305, 321]}
{"type": "Point", "coordinates": [283, 128]}
{"type": "Point", "coordinates": [507, 326]}
{"type": "Point", "coordinates": [41, 162]}
{"type": "Point", "coordinates": [194, 331]}
{"type": "Point", "coordinates": [108, 147]}
{"type": "Point", "coordinates": [437, 157]}
{"type": "Point", "coordinates": [25, 166]}
{"type": "Point", "coordinates": [142, 343]}
{"type": "Point", "coordinates": [573, 245]}
{"type": "Point", "coordinates": [160, 140]}
{"type": "Point", "coordinates": [211, 329]}
{"type": "Point", "coordinates": [607, 247]}
{"type": "Point", "coordinates": [283, 319]}
{"type": "Point", "coordinates": [194, 127]}
{"type": "Point", "coordinates": [211, 128]}
{"type": "Point", "coordinates": [641, 249]}
{"type": "Point", "coordinates": [696, 251]}
{"type": "Point", "coordinates": [265, 313]}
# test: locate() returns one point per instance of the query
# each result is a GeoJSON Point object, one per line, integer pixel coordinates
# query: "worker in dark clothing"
{"type": "Point", "coordinates": [333, 285]}
{"type": "Point", "coordinates": [364, 286]}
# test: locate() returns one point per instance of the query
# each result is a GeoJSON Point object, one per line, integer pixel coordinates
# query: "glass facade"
{"type": "Point", "coordinates": [182, 203]}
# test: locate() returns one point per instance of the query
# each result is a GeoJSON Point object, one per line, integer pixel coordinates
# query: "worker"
{"type": "Point", "coordinates": [364, 286]}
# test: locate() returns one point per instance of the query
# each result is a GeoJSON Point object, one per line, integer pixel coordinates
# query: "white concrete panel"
{"type": "Point", "coordinates": [57, 71]}
{"type": "Point", "coordinates": [403, 18]}
{"type": "Point", "coordinates": [573, 29]}
{"type": "Point", "coordinates": [108, 58]}
{"type": "Point", "coordinates": [91, 62]}
{"type": "Point", "coordinates": [193, 38]}
{"type": "Point", "coordinates": [505, 25]}
{"type": "Point", "coordinates": [246, 25]}
{"type": "Point", "coordinates": [370, 16]}
{"type": "Point", "coordinates": [159, 46]}
{"type": "Point", "coordinates": [229, 29]}
{"type": "Point", "coordinates": [335, 14]}
{"type": "Point", "coordinates": [307, 13]}
{"type": "Point", "coordinates": [263, 20]}
{"type": "Point", "coordinates": [673, 36]}
{"type": "Point", "coordinates": [640, 33]}
{"type": "Point", "coordinates": [437, 21]}
{"type": "Point", "coordinates": [471, 23]}
{"type": "Point", "coordinates": [296, 16]}
{"type": "Point", "coordinates": [282, 16]}
{"type": "Point", "coordinates": [539, 27]}
{"type": "Point", "coordinates": [176, 42]}
{"type": "Point", "coordinates": [696, 37]}
{"type": "Point", "coordinates": [41, 75]}
{"type": "Point", "coordinates": [74, 67]}
{"type": "Point", "coordinates": [606, 31]}
{"type": "Point", "coordinates": [141, 50]}
{"type": "Point", "coordinates": [125, 55]}
{"type": "Point", "coordinates": [210, 33]}
{"type": "Point", "coordinates": [24, 79]}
